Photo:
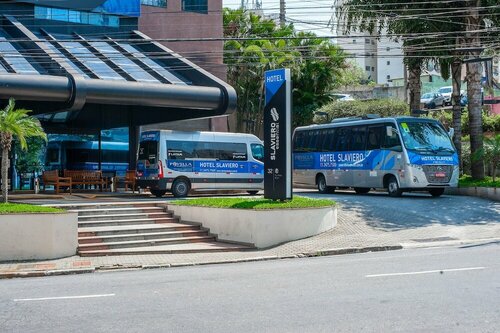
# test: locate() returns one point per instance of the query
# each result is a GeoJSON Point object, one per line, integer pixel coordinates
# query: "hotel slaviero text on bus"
{"type": "Point", "coordinates": [398, 154]}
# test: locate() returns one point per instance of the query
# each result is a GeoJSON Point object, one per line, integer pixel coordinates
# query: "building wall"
{"type": "Point", "coordinates": [173, 22]}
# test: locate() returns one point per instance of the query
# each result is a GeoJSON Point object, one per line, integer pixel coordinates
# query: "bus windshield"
{"type": "Point", "coordinates": [426, 137]}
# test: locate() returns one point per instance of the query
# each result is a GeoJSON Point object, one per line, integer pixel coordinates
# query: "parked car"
{"type": "Point", "coordinates": [432, 100]}
{"type": "Point", "coordinates": [342, 97]}
{"type": "Point", "coordinates": [446, 92]}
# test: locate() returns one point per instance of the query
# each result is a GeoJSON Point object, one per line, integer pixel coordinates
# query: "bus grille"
{"type": "Point", "coordinates": [438, 173]}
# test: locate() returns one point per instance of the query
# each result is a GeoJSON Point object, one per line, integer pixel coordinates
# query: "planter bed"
{"type": "Point", "coordinates": [37, 235]}
{"type": "Point", "coordinates": [261, 228]}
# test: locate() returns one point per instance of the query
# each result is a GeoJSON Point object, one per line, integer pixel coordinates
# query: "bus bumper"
{"type": "Point", "coordinates": [154, 184]}
{"type": "Point", "coordinates": [417, 179]}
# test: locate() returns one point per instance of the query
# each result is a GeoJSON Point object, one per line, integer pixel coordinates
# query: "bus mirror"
{"type": "Point", "coordinates": [451, 132]}
{"type": "Point", "coordinates": [389, 131]}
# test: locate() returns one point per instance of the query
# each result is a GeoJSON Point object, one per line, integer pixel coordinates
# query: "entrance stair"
{"type": "Point", "coordinates": [140, 228]}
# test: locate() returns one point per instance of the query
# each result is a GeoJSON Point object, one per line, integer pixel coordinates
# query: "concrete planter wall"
{"type": "Point", "coordinates": [261, 228]}
{"type": "Point", "coordinates": [38, 236]}
{"type": "Point", "coordinates": [492, 193]}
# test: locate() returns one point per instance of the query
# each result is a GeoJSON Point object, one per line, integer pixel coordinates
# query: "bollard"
{"type": "Point", "coordinates": [37, 185]}
{"type": "Point", "coordinates": [113, 184]}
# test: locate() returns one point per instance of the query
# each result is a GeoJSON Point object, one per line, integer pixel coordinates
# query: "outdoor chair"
{"type": "Point", "coordinates": [52, 178]}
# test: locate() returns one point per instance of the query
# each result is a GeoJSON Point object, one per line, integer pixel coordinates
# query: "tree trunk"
{"type": "Point", "coordinates": [456, 78]}
{"type": "Point", "coordinates": [474, 92]}
{"type": "Point", "coordinates": [5, 180]}
{"type": "Point", "coordinates": [414, 87]}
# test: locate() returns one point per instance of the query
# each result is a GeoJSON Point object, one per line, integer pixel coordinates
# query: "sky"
{"type": "Point", "coordinates": [307, 15]}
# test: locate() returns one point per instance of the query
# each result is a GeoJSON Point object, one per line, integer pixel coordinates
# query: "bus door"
{"type": "Point", "coordinates": [393, 151]}
{"type": "Point", "coordinates": [375, 155]}
{"type": "Point", "coordinates": [204, 157]}
{"type": "Point", "coordinates": [233, 165]}
{"type": "Point", "coordinates": [148, 161]}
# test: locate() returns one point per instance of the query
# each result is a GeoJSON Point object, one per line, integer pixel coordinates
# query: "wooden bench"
{"type": "Point", "coordinates": [86, 177]}
{"type": "Point", "coordinates": [129, 180]}
{"type": "Point", "coordinates": [52, 178]}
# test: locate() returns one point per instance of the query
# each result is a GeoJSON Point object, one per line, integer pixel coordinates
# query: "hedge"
{"type": "Point", "coordinates": [382, 107]}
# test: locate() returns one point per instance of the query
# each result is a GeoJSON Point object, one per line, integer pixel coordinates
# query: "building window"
{"type": "Point", "coordinates": [388, 77]}
{"type": "Point", "coordinates": [373, 69]}
{"type": "Point", "coordinates": [154, 3]}
{"type": "Point", "coordinates": [388, 63]}
{"type": "Point", "coordinates": [367, 40]}
{"type": "Point", "coordinates": [387, 49]}
{"type": "Point", "coordinates": [75, 16]}
{"type": "Point", "coordinates": [197, 6]}
{"type": "Point", "coordinates": [373, 42]}
{"type": "Point", "coordinates": [354, 41]}
{"type": "Point", "coordinates": [367, 68]}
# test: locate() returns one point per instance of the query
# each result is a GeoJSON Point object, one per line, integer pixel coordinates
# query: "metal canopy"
{"type": "Point", "coordinates": [78, 83]}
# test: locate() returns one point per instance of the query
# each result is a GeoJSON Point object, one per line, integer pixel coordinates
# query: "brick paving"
{"type": "Point", "coordinates": [372, 222]}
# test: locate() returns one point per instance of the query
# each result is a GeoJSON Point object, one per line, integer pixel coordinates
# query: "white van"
{"type": "Point", "coordinates": [182, 161]}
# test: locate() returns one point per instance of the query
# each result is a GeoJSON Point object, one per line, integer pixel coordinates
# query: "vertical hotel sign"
{"type": "Point", "coordinates": [277, 135]}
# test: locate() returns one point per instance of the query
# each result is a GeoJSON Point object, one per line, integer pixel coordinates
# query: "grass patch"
{"type": "Point", "coordinates": [13, 208]}
{"type": "Point", "coordinates": [467, 181]}
{"type": "Point", "coordinates": [257, 203]}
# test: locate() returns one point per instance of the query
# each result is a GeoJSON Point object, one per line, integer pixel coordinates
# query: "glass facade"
{"type": "Point", "coordinates": [197, 6]}
{"type": "Point", "coordinates": [154, 3]}
{"type": "Point", "coordinates": [75, 16]}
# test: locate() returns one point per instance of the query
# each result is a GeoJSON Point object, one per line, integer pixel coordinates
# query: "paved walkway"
{"type": "Point", "coordinates": [371, 222]}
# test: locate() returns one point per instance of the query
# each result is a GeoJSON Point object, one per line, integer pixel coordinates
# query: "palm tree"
{"type": "Point", "coordinates": [491, 153]}
{"type": "Point", "coordinates": [15, 123]}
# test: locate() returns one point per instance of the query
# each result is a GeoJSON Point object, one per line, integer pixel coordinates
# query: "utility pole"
{"type": "Point", "coordinates": [282, 13]}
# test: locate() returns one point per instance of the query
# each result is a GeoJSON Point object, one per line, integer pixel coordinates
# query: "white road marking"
{"type": "Point", "coordinates": [428, 272]}
{"type": "Point", "coordinates": [62, 297]}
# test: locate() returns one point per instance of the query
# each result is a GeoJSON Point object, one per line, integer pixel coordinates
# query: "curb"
{"type": "Point", "coordinates": [26, 274]}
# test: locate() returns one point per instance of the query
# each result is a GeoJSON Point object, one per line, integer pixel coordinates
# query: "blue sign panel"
{"type": "Point", "coordinates": [277, 135]}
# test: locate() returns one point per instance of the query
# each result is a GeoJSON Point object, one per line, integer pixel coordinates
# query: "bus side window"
{"type": "Point", "coordinates": [374, 140]}
{"type": "Point", "coordinates": [392, 142]}
{"type": "Point", "coordinates": [342, 142]}
{"type": "Point", "coordinates": [357, 138]}
{"type": "Point", "coordinates": [329, 140]}
{"type": "Point", "coordinates": [298, 142]}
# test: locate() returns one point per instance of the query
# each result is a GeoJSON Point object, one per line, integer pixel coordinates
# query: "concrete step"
{"type": "Point", "coordinates": [108, 204]}
{"type": "Point", "coordinates": [199, 247]}
{"type": "Point", "coordinates": [119, 210]}
{"type": "Point", "coordinates": [139, 236]}
{"type": "Point", "coordinates": [129, 229]}
{"type": "Point", "coordinates": [118, 216]}
{"type": "Point", "coordinates": [143, 243]}
{"type": "Point", "coordinates": [102, 223]}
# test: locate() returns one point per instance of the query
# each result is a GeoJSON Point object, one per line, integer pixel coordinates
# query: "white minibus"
{"type": "Point", "coordinates": [202, 161]}
{"type": "Point", "coordinates": [399, 154]}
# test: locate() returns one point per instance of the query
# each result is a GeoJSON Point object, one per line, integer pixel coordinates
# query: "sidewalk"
{"type": "Point", "coordinates": [354, 233]}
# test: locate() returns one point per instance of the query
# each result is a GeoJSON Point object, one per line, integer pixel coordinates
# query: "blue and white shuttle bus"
{"type": "Point", "coordinates": [399, 154]}
{"type": "Point", "coordinates": [203, 161]}
{"type": "Point", "coordinates": [84, 155]}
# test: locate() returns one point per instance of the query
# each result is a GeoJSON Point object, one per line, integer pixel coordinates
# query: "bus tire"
{"type": "Point", "coordinates": [436, 192]}
{"type": "Point", "coordinates": [158, 193]}
{"type": "Point", "coordinates": [393, 187]}
{"type": "Point", "coordinates": [361, 190]}
{"type": "Point", "coordinates": [181, 187]}
{"type": "Point", "coordinates": [322, 187]}
{"type": "Point", "coordinates": [252, 192]}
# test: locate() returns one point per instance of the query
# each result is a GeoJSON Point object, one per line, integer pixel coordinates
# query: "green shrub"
{"type": "Point", "coordinates": [382, 107]}
{"type": "Point", "coordinates": [491, 123]}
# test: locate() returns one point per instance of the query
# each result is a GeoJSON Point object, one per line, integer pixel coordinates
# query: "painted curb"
{"type": "Point", "coordinates": [27, 274]}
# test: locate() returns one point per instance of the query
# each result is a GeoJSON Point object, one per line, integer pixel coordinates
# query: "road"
{"type": "Point", "coordinates": [453, 289]}
{"type": "Point", "coordinates": [413, 210]}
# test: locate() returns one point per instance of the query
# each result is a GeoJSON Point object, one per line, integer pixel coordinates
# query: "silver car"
{"type": "Point", "coordinates": [432, 100]}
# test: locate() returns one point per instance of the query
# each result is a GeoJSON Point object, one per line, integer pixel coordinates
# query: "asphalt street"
{"type": "Point", "coordinates": [452, 289]}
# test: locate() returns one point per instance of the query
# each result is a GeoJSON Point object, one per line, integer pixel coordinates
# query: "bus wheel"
{"type": "Point", "coordinates": [393, 187]}
{"type": "Point", "coordinates": [436, 192]}
{"type": "Point", "coordinates": [252, 192]}
{"type": "Point", "coordinates": [361, 190]}
{"type": "Point", "coordinates": [180, 187]}
{"type": "Point", "coordinates": [322, 187]}
{"type": "Point", "coordinates": [158, 193]}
